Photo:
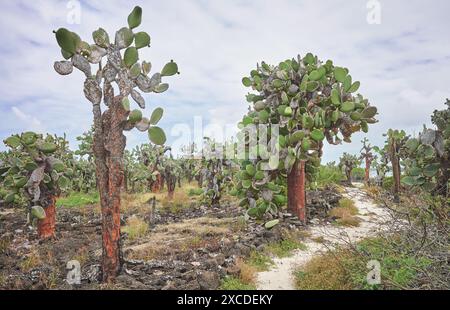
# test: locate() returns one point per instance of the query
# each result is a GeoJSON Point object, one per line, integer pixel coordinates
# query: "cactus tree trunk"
{"type": "Point", "coordinates": [156, 185]}
{"type": "Point", "coordinates": [46, 226]}
{"type": "Point", "coordinates": [395, 161]}
{"type": "Point", "coordinates": [109, 145]}
{"type": "Point", "coordinates": [171, 182]}
{"type": "Point", "coordinates": [296, 191]}
{"type": "Point", "coordinates": [443, 180]}
{"type": "Point", "coordinates": [367, 172]}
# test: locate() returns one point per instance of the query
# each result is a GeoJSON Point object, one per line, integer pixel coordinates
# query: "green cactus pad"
{"type": "Point", "coordinates": [317, 135]}
{"type": "Point", "coordinates": [161, 88]}
{"type": "Point", "coordinates": [347, 107]}
{"type": "Point", "coordinates": [340, 74]}
{"type": "Point", "coordinates": [101, 38]}
{"type": "Point", "coordinates": [157, 135]}
{"type": "Point", "coordinates": [135, 17]}
{"type": "Point", "coordinates": [38, 212]}
{"type": "Point", "coordinates": [141, 39]}
{"type": "Point", "coordinates": [369, 112]}
{"type": "Point", "coordinates": [170, 69]}
{"type": "Point", "coordinates": [124, 38]}
{"type": "Point", "coordinates": [13, 141]}
{"type": "Point", "coordinates": [66, 40]}
{"type": "Point", "coordinates": [131, 56]}
{"type": "Point", "coordinates": [46, 147]}
{"type": "Point", "coordinates": [135, 116]}
{"type": "Point", "coordinates": [156, 116]}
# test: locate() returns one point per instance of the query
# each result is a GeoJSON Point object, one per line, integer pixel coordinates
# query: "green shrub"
{"type": "Point", "coordinates": [358, 174]}
{"type": "Point", "coordinates": [285, 247]}
{"type": "Point", "coordinates": [259, 261]}
{"type": "Point", "coordinates": [195, 192]}
{"type": "Point", "coordinates": [235, 284]}
{"type": "Point", "coordinates": [78, 199]}
{"type": "Point", "coordinates": [327, 175]}
{"type": "Point", "coordinates": [388, 183]}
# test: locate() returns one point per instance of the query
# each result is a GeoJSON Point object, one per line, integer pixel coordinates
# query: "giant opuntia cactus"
{"type": "Point", "coordinates": [310, 101]}
{"type": "Point", "coordinates": [396, 139]}
{"type": "Point", "coordinates": [348, 162]}
{"type": "Point", "coordinates": [172, 174]}
{"type": "Point", "coordinates": [381, 163]}
{"type": "Point", "coordinates": [428, 156]}
{"type": "Point", "coordinates": [217, 172]}
{"type": "Point", "coordinates": [118, 62]}
{"type": "Point", "coordinates": [367, 155]}
{"type": "Point", "coordinates": [35, 172]}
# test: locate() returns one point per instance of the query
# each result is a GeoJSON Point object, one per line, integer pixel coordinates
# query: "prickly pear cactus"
{"type": "Point", "coordinates": [117, 61]}
{"type": "Point", "coordinates": [381, 164]}
{"type": "Point", "coordinates": [348, 162]}
{"type": "Point", "coordinates": [33, 173]}
{"type": "Point", "coordinates": [217, 172]}
{"type": "Point", "coordinates": [368, 157]}
{"type": "Point", "coordinates": [396, 139]}
{"type": "Point", "coordinates": [427, 157]}
{"type": "Point", "coordinates": [311, 101]}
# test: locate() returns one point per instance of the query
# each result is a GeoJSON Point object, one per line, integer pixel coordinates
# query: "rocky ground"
{"type": "Point", "coordinates": [193, 248]}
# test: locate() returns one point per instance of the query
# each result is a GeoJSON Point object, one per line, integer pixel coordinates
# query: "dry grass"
{"type": "Point", "coordinates": [340, 189]}
{"type": "Point", "coordinates": [136, 228]}
{"type": "Point", "coordinates": [4, 245]}
{"type": "Point", "coordinates": [31, 261]}
{"type": "Point", "coordinates": [203, 226]}
{"type": "Point", "coordinates": [135, 203]}
{"type": "Point", "coordinates": [323, 273]}
{"type": "Point", "coordinates": [351, 221]}
{"type": "Point", "coordinates": [319, 239]}
{"type": "Point", "coordinates": [82, 255]}
{"type": "Point", "coordinates": [373, 191]}
{"type": "Point", "coordinates": [179, 237]}
{"type": "Point", "coordinates": [345, 213]}
{"type": "Point", "coordinates": [247, 273]}
{"type": "Point", "coordinates": [239, 224]}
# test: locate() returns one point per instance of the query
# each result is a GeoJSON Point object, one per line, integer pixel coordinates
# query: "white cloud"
{"type": "Point", "coordinates": [29, 122]}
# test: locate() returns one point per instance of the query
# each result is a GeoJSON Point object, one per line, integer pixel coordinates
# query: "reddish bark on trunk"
{"type": "Point", "coordinates": [296, 191]}
{"type": "Point", "coordinates": [170, 195]}
{"type": "Point", "coordinates": [46, 226]}
{"type": "Point", "coordinates": [366, 176]}
{"type": "Point", "coordinates": [395, 171]}
{"type": "Point", "coordinates": [109, 145]}
{"type": "Point", "coordinates": [156, 185]}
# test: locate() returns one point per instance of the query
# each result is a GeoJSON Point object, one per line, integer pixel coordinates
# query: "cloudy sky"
{"type": "Point", "coordinates": [402, 62]}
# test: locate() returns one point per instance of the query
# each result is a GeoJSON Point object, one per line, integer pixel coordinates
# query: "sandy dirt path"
{"type": "Point", "coordinates": [373, 220]}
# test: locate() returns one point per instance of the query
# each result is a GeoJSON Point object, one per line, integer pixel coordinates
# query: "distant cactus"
{"type": "Point", "coordinates": [216, 170]}
{"type": "Point", "coordinates": [117, 60]}
{"type": "Point", "coordinates": [396, 139]}
{"type": "Point", "coordinates": [34, 173]}
{"type": "Point", "coordinates": [311, 101]}
{"type": "Point", "coordinates": [368, 157]}
{"type": "Point", "coordinates": [348, 162]}
{"type": "Point", "coordinates": [381, 164]}
{"type": "Point", "coordinates": [427, 158]}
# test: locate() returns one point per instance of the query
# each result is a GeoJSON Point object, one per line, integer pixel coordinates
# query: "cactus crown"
{"type": "Point", "coordinates": [122, 67]}
{"type": "Point", "coordinates": [311, 101]}
{"type": "Point", "coordinates": [33, 173]}
{"type": "Point", "coordinates": [426, 157]}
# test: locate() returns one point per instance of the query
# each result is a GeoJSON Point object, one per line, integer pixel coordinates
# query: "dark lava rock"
{"type": "Point", "coordinates": [208, 280]}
